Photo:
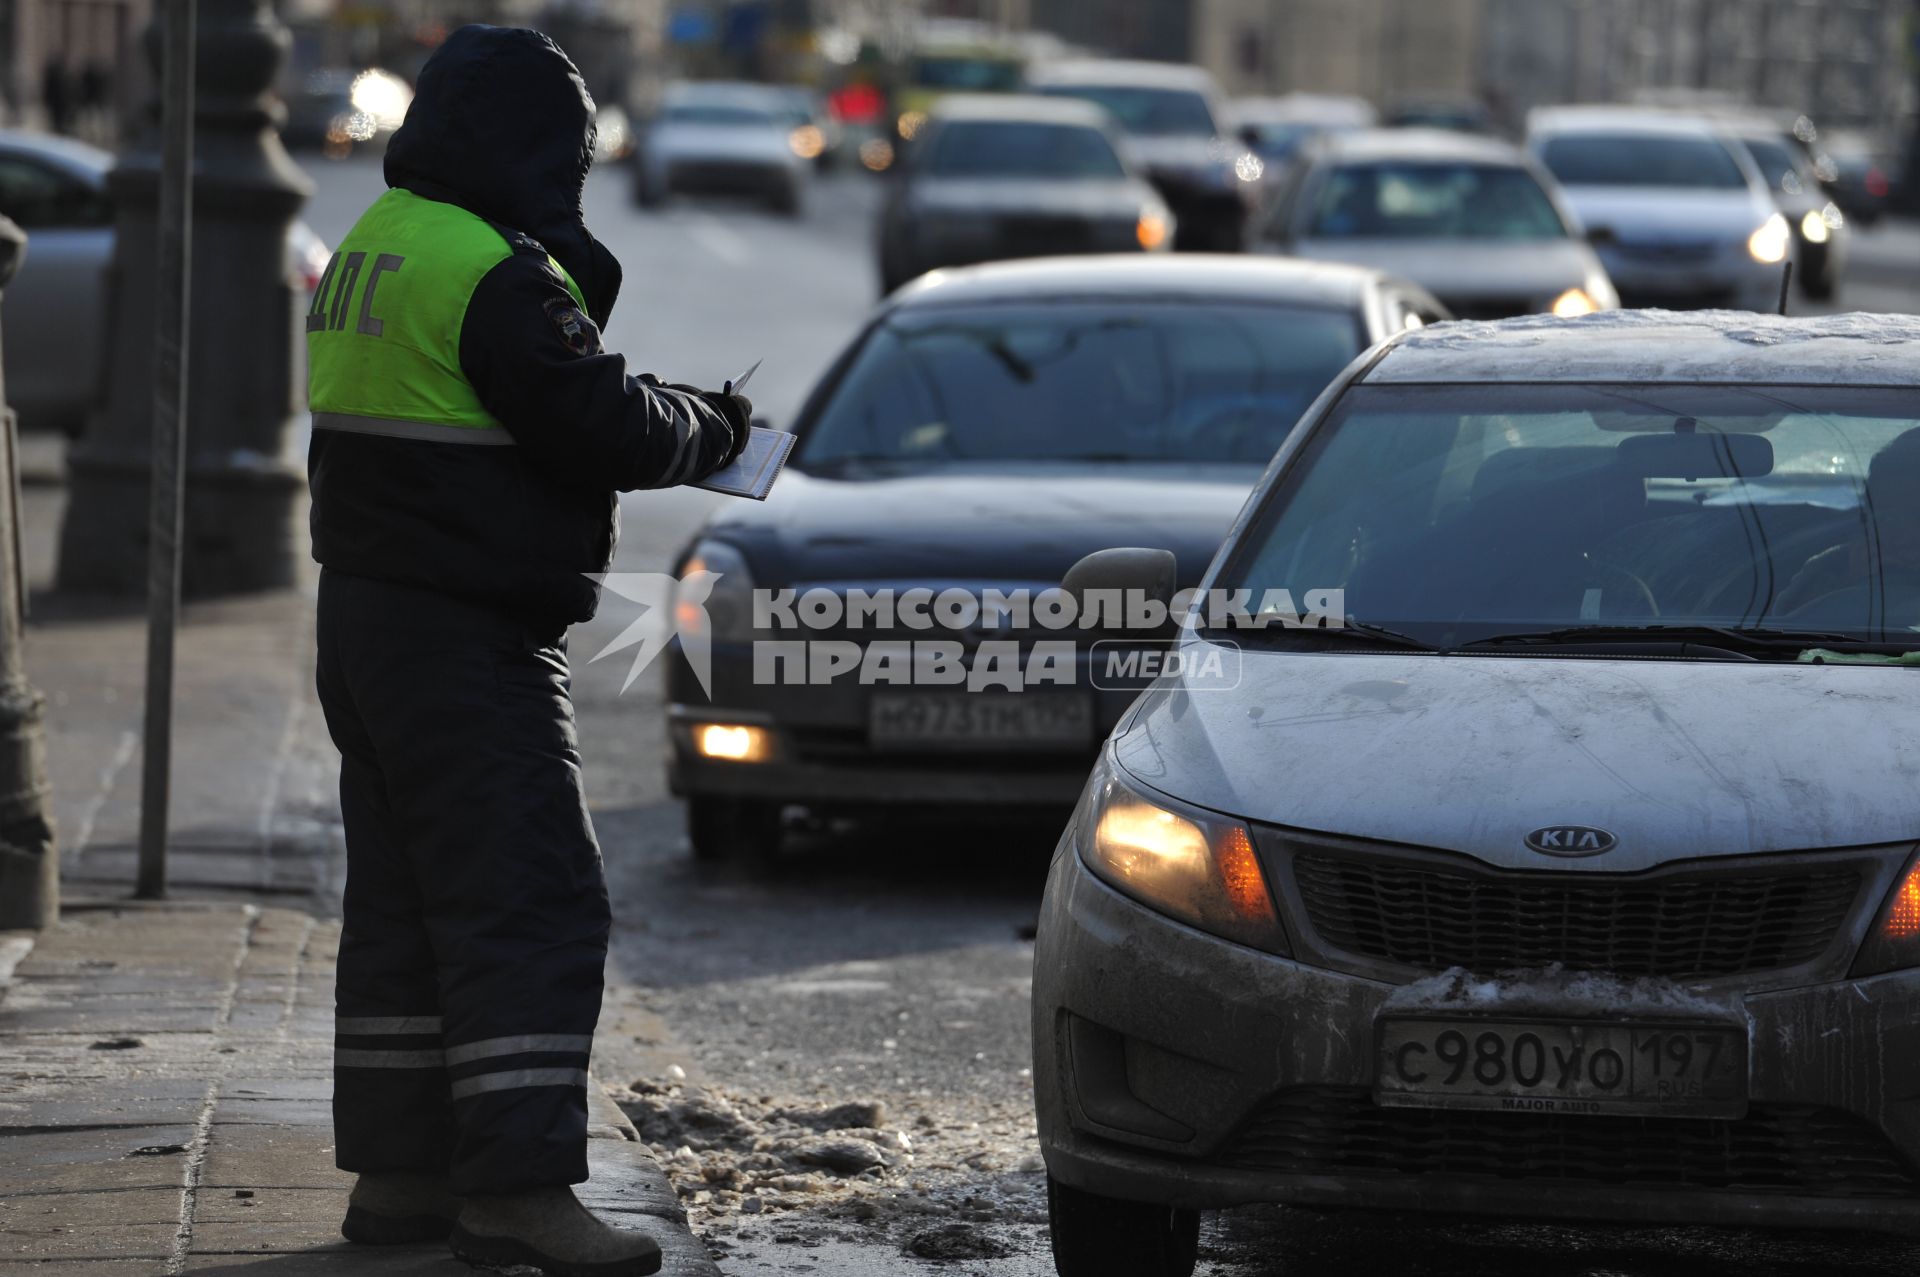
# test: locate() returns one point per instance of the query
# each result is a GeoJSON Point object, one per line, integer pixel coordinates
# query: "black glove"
{"type": "Point", "coordinates": [736, 409]}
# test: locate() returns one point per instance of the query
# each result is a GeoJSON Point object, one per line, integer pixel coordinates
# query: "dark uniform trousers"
{"type": "Point", "coordinates": [476, 912]}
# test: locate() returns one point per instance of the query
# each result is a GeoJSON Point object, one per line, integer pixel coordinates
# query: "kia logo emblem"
{"type": "Point", "coordinates": [1571, 841]}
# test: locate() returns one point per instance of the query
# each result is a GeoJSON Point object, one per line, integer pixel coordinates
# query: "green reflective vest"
{"type": "Point", "coordinates": [383, 331]}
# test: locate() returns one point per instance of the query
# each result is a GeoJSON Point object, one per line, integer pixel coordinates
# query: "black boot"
{"type": "Point", "coordinates": [392, 1208]}
{"type": "Point", "coordinates": [548, 1229]}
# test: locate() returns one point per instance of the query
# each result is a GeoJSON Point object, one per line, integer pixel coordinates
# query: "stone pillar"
{"type": "Point", "coordinates": [246, 352]}
{"type": "Point", "coordinates": [29, 864]}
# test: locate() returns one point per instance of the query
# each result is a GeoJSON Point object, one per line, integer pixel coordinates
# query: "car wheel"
{"type": "Point", "coordinates": [1821, 285]}
{"type": "Point", "coordinates": [1097, 1236]}
{"type": "Point", "coordinates": [724, 830]}
{"type": "Point", "coordinates": [785, 200]}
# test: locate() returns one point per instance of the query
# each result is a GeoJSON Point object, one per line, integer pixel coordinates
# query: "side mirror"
{"type": "Point", "coordinates": [1602, 236]}
{"type": "Point", "coordinates": [13, 249]}
{"type": "Point", "coordinates": [1133, 571]}
{"type": "Point", "coordinates": [760, 423]}
{"type": "Point", "coordinates": [1249, 137]}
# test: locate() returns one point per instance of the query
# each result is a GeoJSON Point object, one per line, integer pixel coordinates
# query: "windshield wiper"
{"type": "Point", "coordinates": [1360, 633]}
{"type": "Point", "coordinates": [1739, 640]}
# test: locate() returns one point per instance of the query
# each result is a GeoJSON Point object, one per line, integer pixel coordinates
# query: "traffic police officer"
{"type": "Point", "coordinates": [469, 437]}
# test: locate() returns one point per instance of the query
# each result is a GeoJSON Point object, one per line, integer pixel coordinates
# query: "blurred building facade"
{"type": "Point", "coordinates": [93, 46]}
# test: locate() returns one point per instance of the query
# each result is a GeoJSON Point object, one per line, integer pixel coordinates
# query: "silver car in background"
{"type": "Point", "coordinates": [1470, 219]}
{"type": "Point", "coordinates": [1677, 210]}
{"type": "Point", "coordinates": [991, 177]}
{"type": "Point", "coordinates": [1575, 875]}
{"type": "Point", "coordinates": [1820, 232]}
{"type": "Point", "coordinates": [724, 138]}
{"type": "Point", "coordinates": [56, 329]}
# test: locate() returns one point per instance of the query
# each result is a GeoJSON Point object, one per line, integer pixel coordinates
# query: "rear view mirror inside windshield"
{"type": "Point", "coordinates": [1697, 455]}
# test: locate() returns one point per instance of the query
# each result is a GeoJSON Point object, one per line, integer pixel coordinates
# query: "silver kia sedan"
{"type": "Point", "coordinates": [1574, 874]}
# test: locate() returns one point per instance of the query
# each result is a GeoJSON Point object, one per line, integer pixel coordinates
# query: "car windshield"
{"type": "Point", "coordinates": [1433, 201]}
{"type": "Point", "coordinates": [1779, 164]}
{"type": "Point", "coordinates": [1642, 159]}
{"type": "Point", "coordinates": [1148, 112]}
{"type": "Point", "coordinates": [1454, 514]}
{"type": "Point", "coordinates": [727, 113]}
{"type": "Point", "coordinates": [967, 74]}
{"type": "Point", "coordinates": [1017, 149]}
{"type": "Point", "coordinates": [1110, 381]}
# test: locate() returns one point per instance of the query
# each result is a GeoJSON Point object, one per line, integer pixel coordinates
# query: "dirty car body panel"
{"type": "Point", "coordinates": [1516, 857]}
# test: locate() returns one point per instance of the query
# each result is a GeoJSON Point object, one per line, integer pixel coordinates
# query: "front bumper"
{"type": "Point", "coordinates": [1688, 277]}
{"type": "Point", "coordinates": [1174, 1067]}
{"type": "Point", "coordinates": [822, 756]}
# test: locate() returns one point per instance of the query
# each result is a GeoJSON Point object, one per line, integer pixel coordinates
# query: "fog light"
{"type": "Point", "coordinates": [732, 742]}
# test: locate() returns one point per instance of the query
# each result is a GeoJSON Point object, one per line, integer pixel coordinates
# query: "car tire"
{"type": "Point", "coordinates": [785, 200]}
{"type": "Point", "coordinates": [733, 830]}
{"type": "Point", "coordinates": [1820, 286]}
{"type": "Point", "coordinates": [1099, 1236]}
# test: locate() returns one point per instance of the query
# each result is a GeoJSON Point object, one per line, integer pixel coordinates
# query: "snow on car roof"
{"type": "Point", "coordinates": [1220, 277]}
{"type": "Point", "coordinates": [1719, 347]}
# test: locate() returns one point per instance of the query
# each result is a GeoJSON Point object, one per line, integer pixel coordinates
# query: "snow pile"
{"type": "Point", "coordinates": [1554, 990]}
{"type": "Point", "coordinates": [731, 1156]}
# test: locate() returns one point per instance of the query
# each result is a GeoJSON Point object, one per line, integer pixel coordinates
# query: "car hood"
{"type": "Point", "coordinates": [1639, 213]}
{"type": "Point", "coordinates": [1677, 759]}
{"type": "Point", "coordinates": [980, 522]}
{"type": "Point", "coordinates": [719, 142]}
{"type": "Point", "coordinates": [1122, 198]}
{"type": "Point", "coordinates": [1455, 269]}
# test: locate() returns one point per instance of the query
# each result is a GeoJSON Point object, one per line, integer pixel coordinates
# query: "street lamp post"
{"type": "Point", "coordinates": [242, 487]}
{"type": "Point", "coordinates": [29, 867]}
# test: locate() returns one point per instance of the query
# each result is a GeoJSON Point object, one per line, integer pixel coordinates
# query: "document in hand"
{"type": "Point", "coordinates": [754, 470]}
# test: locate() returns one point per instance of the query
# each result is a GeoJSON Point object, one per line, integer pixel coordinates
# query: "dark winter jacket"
{"type": "Point", "coordinates": [501, 126]}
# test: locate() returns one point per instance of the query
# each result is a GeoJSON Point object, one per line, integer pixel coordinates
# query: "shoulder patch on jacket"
{"type": "Point", "coordinates": [576, 330]}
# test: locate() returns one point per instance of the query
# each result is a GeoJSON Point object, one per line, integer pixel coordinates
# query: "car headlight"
{"type": "Point", "coordinates": [720, 605]}
{"type": "Point", "coordinates": [1152, 229]}
{"type": "Point", "coordinates": [1814, 228]}
{"type": "Point", "coordinates": [1894, 942]}
{"type": "Point", "coordinates": [1770, 243]}
{"type": "Point", "coordinates": [1193, 866]}
{"type": "Point", "coordinates": [1574, 302]}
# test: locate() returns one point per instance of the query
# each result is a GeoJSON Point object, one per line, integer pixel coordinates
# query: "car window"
{"type": "Point", "coordinates": [38, 196]}
{"type": "Point", "coordinates": [1781, 164]}
{"type": "Point", "coordinates": [1148, 112]}
{"type": "Point", "coordinates": [1452, 513]}
{"type": "Point", "coordinates": [1116, 381]}
{"type": "Point", "coordinates": [1018, 149]}
{"type": "Point", "coordinates": [1433, 201]}
{"type": "Point", "coordinates": [1642, 159]}
{"type": "Point", "coordinates": [718, 113]}
{"type": "Point", "coordinates": [967, 74]}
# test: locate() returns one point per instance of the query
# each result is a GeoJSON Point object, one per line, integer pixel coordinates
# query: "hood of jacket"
{"type": "Point", "coordinates": [502, 125]}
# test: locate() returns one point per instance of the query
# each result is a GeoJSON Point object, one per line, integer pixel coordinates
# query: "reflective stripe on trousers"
{"type": "Point", "coordinates": [476, 1083]}
{"type": "Point", "coordinates": [425, 431]}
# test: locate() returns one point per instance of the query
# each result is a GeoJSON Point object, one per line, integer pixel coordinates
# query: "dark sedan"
{"type": "Point", "coordinates": [997, 177]}
{"type": "Point", "coordinates": [989, 427]}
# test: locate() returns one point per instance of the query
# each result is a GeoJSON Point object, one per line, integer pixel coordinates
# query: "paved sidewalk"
{"type": "Point", "coordinates": [164, 1105]}
{"type": "Point", "coordinates": [165, 1069]}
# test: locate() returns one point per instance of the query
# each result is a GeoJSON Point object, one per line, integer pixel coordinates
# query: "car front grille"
{"type": "Point", "coordinates": [1698, 924]}
{"type": "Point", "coordinates": [1776, 1148]}
{"type": "Point", "coordinates": [1040, 236]}
{"type": "Point", "coordinates": [1672, 253]}
{"type": "Point", "coordinates": [1490, 307]}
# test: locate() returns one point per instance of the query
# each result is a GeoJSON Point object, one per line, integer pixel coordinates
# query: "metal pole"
{"type": "Point", "coordinates": [175, 257]}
